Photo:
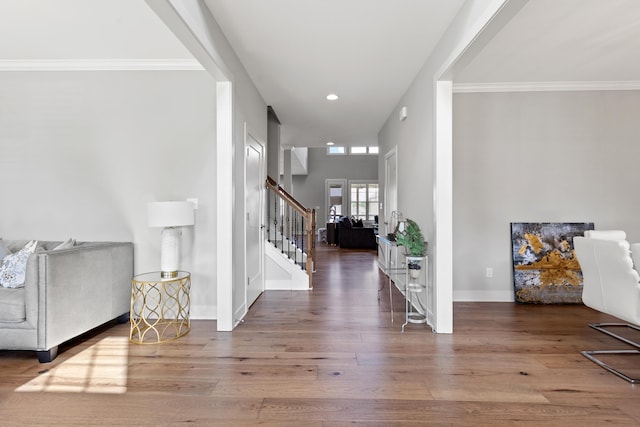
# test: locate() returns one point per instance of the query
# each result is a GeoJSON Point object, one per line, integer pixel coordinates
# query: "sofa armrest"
{"type": "Point", "coordinates": [635, 255]}
{"type": "Point", "coordinates": [81, 288]}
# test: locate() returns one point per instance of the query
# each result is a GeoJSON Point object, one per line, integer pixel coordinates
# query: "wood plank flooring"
{"type": "Point", "coordinates": [332, 357]}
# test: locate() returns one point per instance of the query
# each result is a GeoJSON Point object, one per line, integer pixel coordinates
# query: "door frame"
{"type": "Point", "coordinates": [247, 136]}
{"type": "Point", "coordinates": [388, 208]}
{"type": "Point", "coordinates": [345, 195]}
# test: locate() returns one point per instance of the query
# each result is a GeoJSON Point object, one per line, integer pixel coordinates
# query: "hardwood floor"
{"type": "Point", "coordinates": [332, 357]}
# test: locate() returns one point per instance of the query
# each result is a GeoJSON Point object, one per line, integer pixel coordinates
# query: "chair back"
{"type": "Point", "coordinates": [610, 282]}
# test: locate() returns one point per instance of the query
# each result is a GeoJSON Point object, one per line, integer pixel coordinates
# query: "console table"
{"type": "Point", "coordinates": [395, 265]}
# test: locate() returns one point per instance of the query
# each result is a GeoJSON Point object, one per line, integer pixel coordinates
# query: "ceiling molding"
{"type": "Point", "coordinates": [100, 65]}
{"type": "Point", "coordinates": [544, 86]}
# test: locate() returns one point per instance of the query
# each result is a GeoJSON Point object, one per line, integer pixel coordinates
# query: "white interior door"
{"type": "Point", "coordinates": [390, 187]}
{"type": "Point", "coordinates": [254, 194]}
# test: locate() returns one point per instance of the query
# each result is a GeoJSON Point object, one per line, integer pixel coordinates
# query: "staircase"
{"type": "Point", "coordinates": [290, 241]}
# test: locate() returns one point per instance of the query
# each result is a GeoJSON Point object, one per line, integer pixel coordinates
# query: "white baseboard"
{"type": "Point", "coordinates": [203, 312]}
{"type": "Point", "coordinates": [483, 296]}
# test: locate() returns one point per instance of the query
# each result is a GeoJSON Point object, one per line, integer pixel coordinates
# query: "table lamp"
{"type": "Point", "coordinates": [170, 215]}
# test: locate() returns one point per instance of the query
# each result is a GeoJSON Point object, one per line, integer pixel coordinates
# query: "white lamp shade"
{"type": "Point", "coordinates": [170, 214]}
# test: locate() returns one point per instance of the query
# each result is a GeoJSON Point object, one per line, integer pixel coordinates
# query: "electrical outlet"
{"type": "Point", "coordinates": [489, 272]}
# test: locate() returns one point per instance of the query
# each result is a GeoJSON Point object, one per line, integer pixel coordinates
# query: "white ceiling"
{"type": "Point", "coordinates": [563, 41]}
{"type": "Point", "coordinates": [84, 30]}
{"type": "Point", "coordinates": [298, 51]}
{"type": "Point", "coordinates": [367, 51]}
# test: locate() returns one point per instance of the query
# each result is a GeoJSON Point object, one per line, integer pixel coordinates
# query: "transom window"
{"type": "Point", "coordinates": [336, 149]}
{"type": "Point", "coordinates": [339, 149]}
{"type": "Point", "coordinates": [363, 150]}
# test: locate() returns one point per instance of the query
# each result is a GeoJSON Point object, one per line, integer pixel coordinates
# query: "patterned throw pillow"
{"type": "Point", "coordinates": [14, 266]}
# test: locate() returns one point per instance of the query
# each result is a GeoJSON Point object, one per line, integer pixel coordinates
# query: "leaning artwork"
{"type": "Point", "coordinates": [545, 268]}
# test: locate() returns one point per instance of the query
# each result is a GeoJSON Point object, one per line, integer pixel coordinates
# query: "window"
{"type": "Point", "coordinates": [363, 150]}
{"type": "Point", "coordinates": [339, 149]}
{"type": "Point", "coordinates": [364, 200]}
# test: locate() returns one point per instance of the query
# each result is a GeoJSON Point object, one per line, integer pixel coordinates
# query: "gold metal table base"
{"type": "Point", "coordinates": [159, 307]}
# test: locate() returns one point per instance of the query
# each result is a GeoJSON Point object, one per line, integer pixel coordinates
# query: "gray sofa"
{"type": "Point", "coordinates": [67, 292]}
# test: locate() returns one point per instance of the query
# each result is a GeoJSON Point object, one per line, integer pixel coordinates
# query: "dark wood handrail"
{"type": "Point", "coordinates": [287, 197]}
{"type": "Point", "coordinates": [310, 224]}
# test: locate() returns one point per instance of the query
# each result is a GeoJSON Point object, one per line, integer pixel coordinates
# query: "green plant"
{"type": "Point", "coordinates": [411, 238]}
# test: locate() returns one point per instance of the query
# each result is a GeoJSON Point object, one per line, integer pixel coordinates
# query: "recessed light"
{"type": "Point", "coordinates": [332, 97]}
{"type": "Point", "coordinates": [330, 143]}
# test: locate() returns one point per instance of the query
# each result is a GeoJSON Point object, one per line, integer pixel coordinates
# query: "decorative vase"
{"type": "Point", "coordinates": [414, 265]}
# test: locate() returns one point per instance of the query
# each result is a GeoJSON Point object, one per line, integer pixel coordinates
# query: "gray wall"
{"type": "Point", "coordinates": [310, 189]}
{"type": "Point", "coordinates": [538, 157]}
{"type": "Point", "coordinates": [83, 152]}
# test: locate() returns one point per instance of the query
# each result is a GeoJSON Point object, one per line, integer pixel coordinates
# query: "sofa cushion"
{"type": "Point", "coordinates": [14, 266]}
{"type": "Point", "coordinates": [12, 307]}
{"type": "Point", "coordinates": [345, 222]}
{"type": "Point", "coordinates": [69, 243]}
{"type": "Point", "coordinates": [4, 250]}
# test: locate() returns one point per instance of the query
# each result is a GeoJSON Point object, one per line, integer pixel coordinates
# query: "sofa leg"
{"type": "Point", "coordinates": [47, 356]}
{"type": "Point", "coordinates": [123, 318]}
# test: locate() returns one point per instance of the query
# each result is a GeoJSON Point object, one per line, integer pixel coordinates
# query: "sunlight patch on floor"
{"type": "Point", "coordinates": [102, 368]}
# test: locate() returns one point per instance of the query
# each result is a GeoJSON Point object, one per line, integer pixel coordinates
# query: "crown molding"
{"type": "Point", "coordinates": [545, 86]}
{"type": "Point", "coordinates": [100, 65]}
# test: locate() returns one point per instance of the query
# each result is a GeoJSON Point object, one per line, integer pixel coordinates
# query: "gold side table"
{"type": "Point", "coordinates": [159, 307]}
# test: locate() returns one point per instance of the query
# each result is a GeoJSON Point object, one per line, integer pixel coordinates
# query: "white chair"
{"type": "Point", "coordinates": [610, 285]}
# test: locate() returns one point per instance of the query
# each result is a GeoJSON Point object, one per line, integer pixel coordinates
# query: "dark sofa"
{"type": "Point", "coordinates": [352, 234]}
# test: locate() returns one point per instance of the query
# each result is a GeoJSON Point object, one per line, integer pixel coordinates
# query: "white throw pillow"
{"type": "Point", "coordinates": [69, 243]}
{"type": "Point", "coordinates": [14, 266]}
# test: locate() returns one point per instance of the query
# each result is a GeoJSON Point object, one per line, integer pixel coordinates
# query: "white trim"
{"type": "Point", "coordinates": [203, 312]}
{"type": "Point", "coordinates": [386, 209]}
{"type": "Point", "coordinates": [247, 144]}
{"type": "Point", "coordinates": [442, 310]}
{"type": "Point", "coordinates": [345, 195]}
{"type": "Point", "coordinates": [483, 296]}
{"type": "Point", "coordinates": [100, 65]}
{"type": "Point", "coordinates": [296, 278]}
{"type": "Point", "coordinates": [544, 86]}
{"type": "Point", "coordinates": [442, 250]}
{"type": "Point", "coordinates": [224, 212]}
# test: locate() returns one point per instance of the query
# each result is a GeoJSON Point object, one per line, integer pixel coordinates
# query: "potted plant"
{"type": "Point", "coordinates": [412, 239]}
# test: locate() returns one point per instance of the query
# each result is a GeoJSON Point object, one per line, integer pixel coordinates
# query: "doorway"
{"type": "Point", "coordinates": [254, 212]}
{"type": "Point", "coordinates": [390, 187]}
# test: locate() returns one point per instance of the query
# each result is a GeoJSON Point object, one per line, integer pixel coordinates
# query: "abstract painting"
{"type": "Point", "coordinates": [545, 268]}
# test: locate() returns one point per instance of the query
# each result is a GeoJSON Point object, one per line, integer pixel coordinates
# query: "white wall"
{"type": "Point", "coordinates": [417, 148]}
{"type": "Point", "coordinates": [92, 30]}
{"type": "Point", "coordinates": [310, 189]}
{"type": "Point", "coordinates": [538, 157]}
{"type": "Point", "coordinates": [83, 152]}
{"type": "Point", "coordinates": [196, 28]}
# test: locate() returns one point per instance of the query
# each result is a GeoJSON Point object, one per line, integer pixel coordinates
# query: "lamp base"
{"type": "Point", "coordinates": [168, 274]}
{"type": "Point", "coordinates": [169, 252]}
